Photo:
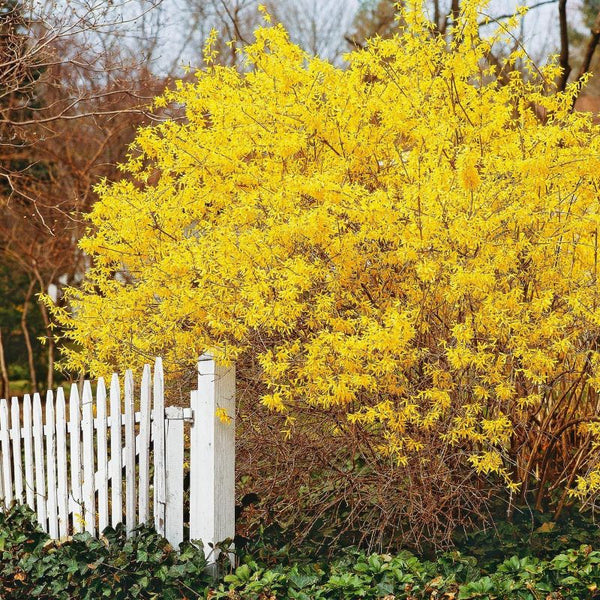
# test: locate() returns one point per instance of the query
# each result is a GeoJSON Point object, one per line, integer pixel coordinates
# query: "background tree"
{"type": "Point", "coordinates": [71, 99]}
{"type": "Point", "coordinates": [585, 37]}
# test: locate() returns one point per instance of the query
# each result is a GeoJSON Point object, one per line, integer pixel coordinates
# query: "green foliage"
{"type": "Point", "coordinates": [146, 567]}
{"type": "Point", "coordinates": [13, 288]}
{"type": "Point", "coordinates": [573, 574]}
{"type": "Point", "coordinates": [529, 533]}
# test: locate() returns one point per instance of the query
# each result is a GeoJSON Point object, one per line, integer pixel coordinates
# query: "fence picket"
{"type": "Point", "coordinates": [15, 434]}
{"type": "Point", "coordinates": [174, 476]}
{"type": "Point", "coordinates": [40, 471]}
{"type": "Point", "coordinates": [130, 491]}
{"type": "Point", "coordinates": [61, 465]}
{"type": "Point", "coordinates": [144, 447]}
{"type": "Point", "coordinates": [212, 455]}
{"type": "Point", "coordinates": [159, 449]}
{"type": "Point", "coordinates": [1, 480]}
{"type": "Point", "coordinates": [28, 452]}
{"type": "Point", "coordinates": [75, 439]}
{"type": "Point", "coordinates": [87, 426]}
{"type": "Point", "coordinates": [116, 458]}
{"type": "Point", "coordinates": [102, 456]}
{"type": "Point", "coordinates": [5, 443]}
{"type": "Point", "coordinates": [51, 496]}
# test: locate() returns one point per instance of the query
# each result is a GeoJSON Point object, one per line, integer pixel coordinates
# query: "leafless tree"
{"type": "Point", "coordinates": [318, 26]}
{"type": "Point", "coordinates": [73, 86]}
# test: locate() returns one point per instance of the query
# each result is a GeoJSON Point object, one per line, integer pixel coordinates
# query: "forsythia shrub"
{"type": "Point", "coordinates": [409, 242]}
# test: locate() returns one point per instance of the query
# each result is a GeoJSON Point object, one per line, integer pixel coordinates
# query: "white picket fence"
{"type": "Point", "coordinates": [83, 468]}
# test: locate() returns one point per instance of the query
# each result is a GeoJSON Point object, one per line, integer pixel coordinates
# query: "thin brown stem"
{"type": "Point", "coordinates": [3, 370]}
{"type": "Point", "coordinates": [27, 337]}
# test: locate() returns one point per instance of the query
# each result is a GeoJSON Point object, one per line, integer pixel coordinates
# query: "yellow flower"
{"type": "Point", "coordinates": [421, 262]}
{"type": "Point", "coordinates": [222, 415]}
{"type": "Point", "coordinates": [265, 14]}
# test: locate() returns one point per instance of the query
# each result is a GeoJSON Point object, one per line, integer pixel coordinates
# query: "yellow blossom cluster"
{"type": "Point", "coordinates": [406, 237]}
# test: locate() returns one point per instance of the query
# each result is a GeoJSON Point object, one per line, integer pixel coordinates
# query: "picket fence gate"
{"type": "Point", "coordinates": [81, 468]}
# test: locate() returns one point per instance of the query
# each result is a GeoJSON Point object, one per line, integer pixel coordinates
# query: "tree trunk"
{"type": "Point", "coordinates": [51, 345]}
{"type": "Point", "coordinates": [32, 376]}
{"type": "Point", "coordinates": [455, 12]}
{"type": "Point", "coordinates": [49, 333]}
{"type": "Point", "coordinates": [591, 47]}
{"type": "Point", "coordinates": [564, 45]}
{"type": "Point", "coordinates": [3, 371]}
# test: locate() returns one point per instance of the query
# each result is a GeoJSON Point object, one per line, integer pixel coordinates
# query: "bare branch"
{"type": "Point", "coordinates": [590, 48]}
{"type": "Point", "coordinates": [564, 45]}
{"type": "Point", "coordinates": [512, 14]}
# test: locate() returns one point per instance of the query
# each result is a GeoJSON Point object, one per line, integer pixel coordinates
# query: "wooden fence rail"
{"type": "Point", "coordinates": [80, 467]}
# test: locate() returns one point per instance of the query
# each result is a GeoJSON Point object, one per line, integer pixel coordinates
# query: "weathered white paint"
{"type": "Point", "coordinates": [61, 464]}
{"type": "Point", "coordinates": [28, 450]}
{"type": "Point", "coordinates": [15, 434]}
{"type": "Point", "coordinates": [116, 454]}
{"type": "Point", "coordinates": [5, 447]}
{"type": "Point", "coordinates": [87, 427]}
{"type": "Point", "coordinates": [75, 439]}
{"type": "Point", "coordinates": [130, 492]}
{"type": "Point", "coordinates": [51, 491]}
{"type": "Point", "coordinates": [143, 446]}
{"type": "Point", "coordinates": [158, 434]}
{"type": "Point", "coordinates": [174, 476]}
{"type": "Point", "coordinates": [102, 457]}
{"type": "Point", "coordinates": [212, 452]}
{"type": "Point", "coordinates": [40, 471]}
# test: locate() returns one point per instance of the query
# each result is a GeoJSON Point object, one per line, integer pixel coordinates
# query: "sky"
{"type": "Point", "coordinates": [184, 24]}
{"type": "Point", "coordinates": [540, 26]}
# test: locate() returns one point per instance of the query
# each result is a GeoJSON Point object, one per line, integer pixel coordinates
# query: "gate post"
{"type": "Point", "coordinates": [212, 456]}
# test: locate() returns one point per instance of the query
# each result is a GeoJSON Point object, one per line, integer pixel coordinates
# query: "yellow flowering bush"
{"type": "Point", "coordinates": [406, 243]}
